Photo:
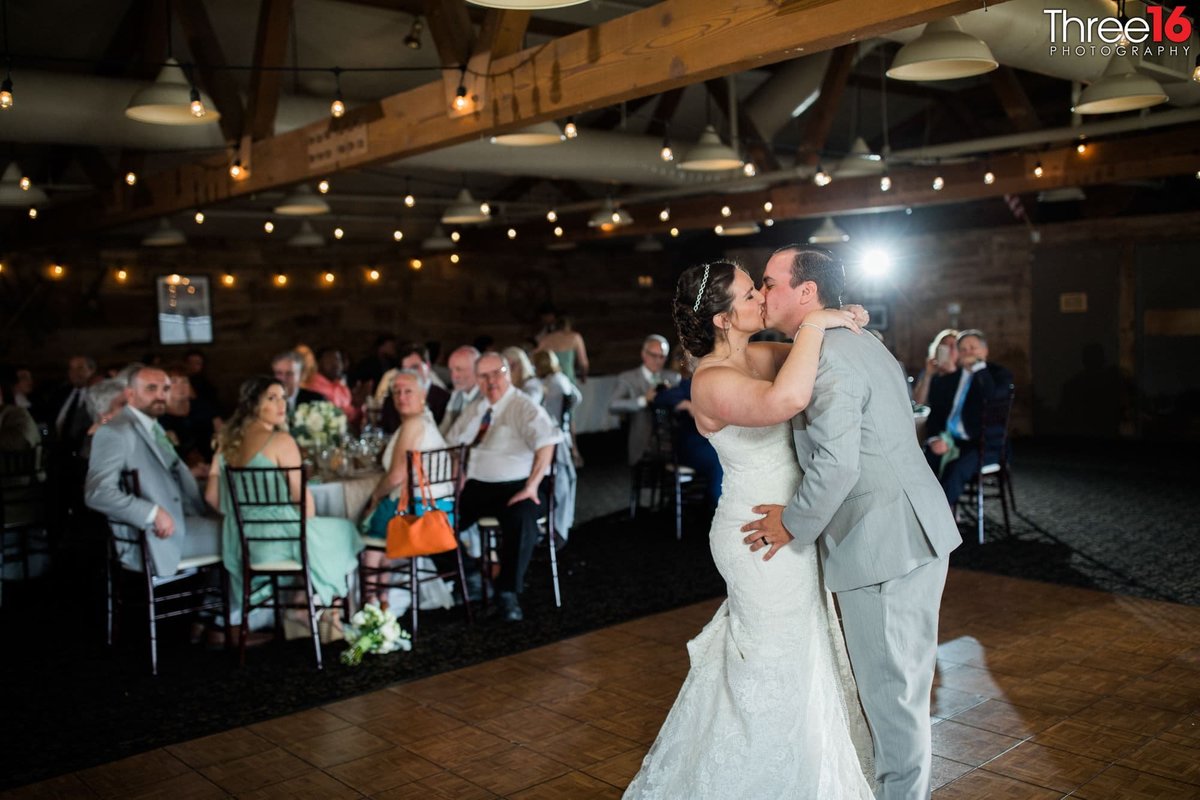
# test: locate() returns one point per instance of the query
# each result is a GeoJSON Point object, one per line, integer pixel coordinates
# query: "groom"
{"type": "Point", "coordinates": [869, 498]}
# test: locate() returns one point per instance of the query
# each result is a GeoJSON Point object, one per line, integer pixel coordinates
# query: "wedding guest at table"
{"type": "Point", "coordinates": [189, 429]}
{"type": "Point", "coordinates": [512, 443]}
{"type": "Point", "coordinates": [942, 359]}
{"type": "Point", "coordinates": [466, 388]}
{"type": "Point", "coordinates": [692, 447]}
{"type": "Point", "coordinates": [371, 369]}
{"type": "Point", "coordinates": [287, 367]}
{"type": "Point", "coordinates": [634, 394]}
{"type": "Point", "coordinates": [954, 431]}
{"type": "Point", "coordinates": [105, 401]}
{"type": "Point", "coordinates": [256, 436]}
{"type": "Point", "coordinates": [310, 364]}
{"type": "Point", "coordinates": [169, 503]}
{"type": "Point", "coordinates": [560, 395]}
{"type": "Point", "coordinates": [330, 383]}
{"type": "Point", "coordinates": [415, 357]}
{"type": "Point", "coordinates": [524, 377]}
{"type": "Point", "coordinates": [18, 430]}
{"type": "Point", "coordinates": [560, 338]}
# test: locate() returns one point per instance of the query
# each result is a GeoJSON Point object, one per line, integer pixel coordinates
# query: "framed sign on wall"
{"type": "Point", "coordinates": [184, 309]}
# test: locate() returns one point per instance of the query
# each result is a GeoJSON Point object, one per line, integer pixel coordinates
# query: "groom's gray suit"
{"type": "Point", "coordinates": [164, 480]}
{"type": "Point", "coordinates": [885, 533]}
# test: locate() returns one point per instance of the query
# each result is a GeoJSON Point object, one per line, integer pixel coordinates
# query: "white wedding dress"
{"type": "Point", "coordinates": [769, 708]}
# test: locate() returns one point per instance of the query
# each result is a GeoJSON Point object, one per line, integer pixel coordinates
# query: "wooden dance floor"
{"type": "Point", "coordinates": [1042, 691]}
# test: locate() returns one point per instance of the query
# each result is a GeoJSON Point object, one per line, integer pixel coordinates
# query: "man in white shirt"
{"type": "Point", "coordinates": [169, 506]}
{"type": "Point", "coordinates": [466, 389]}
{"type": "Point", "coordinates": [635, 392]}
{"type": "Point", "coordinates": [512, 442]}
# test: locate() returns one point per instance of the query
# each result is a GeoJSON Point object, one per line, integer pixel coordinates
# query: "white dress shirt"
{"type": "Point", "coordinates": [519, 428]}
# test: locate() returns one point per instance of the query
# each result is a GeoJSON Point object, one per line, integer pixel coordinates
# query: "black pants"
{"type": "Point", "coordinates": [961, 469]}
{"type": "Point", "coordinates": [518, 524]}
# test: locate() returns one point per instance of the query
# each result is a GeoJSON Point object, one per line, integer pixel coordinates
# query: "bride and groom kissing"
{"type": "Point", "coordinates": [823, 472]}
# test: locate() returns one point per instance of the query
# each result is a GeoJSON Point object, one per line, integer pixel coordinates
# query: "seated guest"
{"type": "Point", "coordinates": [523, 375]}
{"type": "Point", "coordinates": [256, 436]}
{"type": "Point", "coordinates": [943, 360]}
{"type": "Point", "coordinates": [635, 391]}
{"type": "Point", "coordinates": [954, 430]}
{"type": "Point", "coordinates": [560, 395]}
{"type": "Point", "coordinates": [23, 392]}
{"type": "Point", "coordinates": [18, 430]}
{"type": "Point", "coordinates": [372, 368]}
{"type": "Point", "coordinates": [68, 408]}
{"type": "Point", "coordinates": [692, 448]}
{"type": "Point", "coordinates": [189, 431]}
{"type": "Point", "coordinates": [329, 383]}
{"type": "Point", "coordinates": [105, 401]}
{"type": "Point", "coordinates": [415, 357]}
{"type": "Point", "coordinates": [466, 389]}
{"type": "Point", "coordinates": [310, 364]}
{"type": "Point", "coordinates": [512, 442]}
{"type": "Point", "coordinates": [169, 506]}
{"type": "Point", "coordinates": [287, 368]}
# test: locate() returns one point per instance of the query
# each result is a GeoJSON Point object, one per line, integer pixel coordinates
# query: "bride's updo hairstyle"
{"type": "Point", "coordinates": [702, 292]}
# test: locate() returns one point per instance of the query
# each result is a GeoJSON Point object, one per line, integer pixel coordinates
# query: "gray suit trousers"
{"type": "Point", "coordinates": [891, 636]}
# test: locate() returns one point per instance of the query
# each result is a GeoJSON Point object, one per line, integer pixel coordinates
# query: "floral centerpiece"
{"type": "Point", "coordinates": [374, 630]}
{"type": "Point", "coordinates": [317, 425]}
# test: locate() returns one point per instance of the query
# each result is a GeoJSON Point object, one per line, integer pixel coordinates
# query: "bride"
{"type": "Point", "coordinates": [769, 707]}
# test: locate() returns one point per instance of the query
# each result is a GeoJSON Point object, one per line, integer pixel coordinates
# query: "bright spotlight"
{"type": "Point", "coordinates": [876, 263]}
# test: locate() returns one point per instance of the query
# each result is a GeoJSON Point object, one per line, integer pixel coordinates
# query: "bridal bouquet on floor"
{"type": "Point", "coordinates": [373, 630]}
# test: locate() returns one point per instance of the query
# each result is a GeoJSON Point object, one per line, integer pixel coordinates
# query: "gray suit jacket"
{"type": "Point", "coordinates": [124, 444]}
{"type": "Point", "coordinates": [632, 385]}
{"type": "Point", "coordinates": [868, 494]}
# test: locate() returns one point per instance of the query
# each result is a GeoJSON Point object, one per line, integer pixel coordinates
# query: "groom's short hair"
{"type": "Point", "coordinates": [822, 267]}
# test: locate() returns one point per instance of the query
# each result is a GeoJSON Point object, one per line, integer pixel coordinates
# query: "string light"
{"type": "Point", "coordinates": [484, 208]}
{"type": "Point", "coordinates": [666, 154]}
{"type": "Point", "coordinates": [1195, 77]}
{"type": "Point", "coordinates": [768, 206]}
{"type": "Point", "coordinates": [665, 214]}
{"type": "Point", "coordinates": [237, 171]}
{"type": "Point", "coordinates": [6, 93]}
{"type": "Point", "coordinates": [989, 177]}
{"type": "Point", "coordinates": [552, 216]}
{"type": "Point", "coordinates": [398, 235]}
{"type": "Point", "coordinates": [674, 232]}
{"type": "Point", "coordinates": [718, 230]}
{"type": "Point", "coordinates": [885, 183]}
{"type": "Point", "coordinates": [373, 275]}
{"type": "Point", "coordinates": [415, 263]}
{"type": "Point", "coordinates": [571, 130]}
{"type": "Point", "coordinates": [323, 187]}
{"type": "Point", "coordinates": [122, 275]}
{"type": "Point", "coordinates": [131, 178]}
{"type": "Point", "coordinates": [413, 40]}
{"type": "Point", "coordinates": [822, 178]}
{"type": "Point", "coordinates": [558, 231]}
{"type": "Point", "coordinates": [281, 279]}
{"type": "Point", "coordinates": [749, 170]}
{"type": "Point", "coordinates": [196, 104]}
{"type": "Point", "coordinates": [338, 233]}
{"type": "Point", "coordinates": [512, 233]}
{"type": "Point", "coordinates": [455, 236]}
{"type": "Point", "coordinates": [409, 200]}
{"type": "Point", "coordinates": [454, 259]}
{"type": "Point", "coordinates": [269, 226]}
{"type": "Point", "coordinates": [939, 183]}
{"type": "Point", "coordinates": [338, 107]}
{"type": "Point", "coordinates": [199, 217]}
{"type": "Point", "coordinates": [328, 278]}
{"type": "Point", "coordinates": [1038, 171]}
{"type": "Point", "coordinates": [228, 280]}
{"type": "Point", "coordinates": [25, 183]}
{"type": "Point", "coordinates": [32, 212]}
{"type": "Point", "coordinates": [768, 222]}
{"type": "Point", "coordinates": [726, 211]}
{"type": "Point", "coordinates": [57, 271]}
{"type": "Point", "coordinates": [460, 98]}
{"type": "Point", "coordinates": [1081, 148]}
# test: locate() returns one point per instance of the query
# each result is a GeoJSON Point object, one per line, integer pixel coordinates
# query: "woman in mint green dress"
{"type": "Point", "coordinates": [256, 436]}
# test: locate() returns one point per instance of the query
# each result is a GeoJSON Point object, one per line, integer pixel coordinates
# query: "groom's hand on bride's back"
{"type": "Point", "coordinates": [767, 531]}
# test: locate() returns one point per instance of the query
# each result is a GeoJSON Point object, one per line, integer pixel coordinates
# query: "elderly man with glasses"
{"type": "Point", "coordinates": [636, 390]}
{"type": "Point", "coordinates": [512, 441]}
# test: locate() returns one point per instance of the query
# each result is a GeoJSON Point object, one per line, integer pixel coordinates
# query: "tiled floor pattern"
{"type": "Point", "coordinates": [1042, 692]}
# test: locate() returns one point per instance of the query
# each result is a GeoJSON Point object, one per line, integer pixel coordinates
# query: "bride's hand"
{"type": "Point", "coordinates": [861, 315]}
{"type": "Point", "coordinates": [827, 318]}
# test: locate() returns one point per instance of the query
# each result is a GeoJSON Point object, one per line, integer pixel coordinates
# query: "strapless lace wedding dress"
{"type": "Point", "coordinates": [769, 708]}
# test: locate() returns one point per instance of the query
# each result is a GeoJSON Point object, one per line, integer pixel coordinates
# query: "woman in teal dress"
{"type": "Point", "coordinates": [256, 436]}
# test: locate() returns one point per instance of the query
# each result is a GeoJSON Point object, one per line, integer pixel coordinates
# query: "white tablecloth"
{"type": "Point", "coordinates": [344, 497]}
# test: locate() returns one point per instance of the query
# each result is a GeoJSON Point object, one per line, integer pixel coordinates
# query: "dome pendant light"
{"type": "Point", "coordinates": [301, 202]}
{"type": "Point", "coordinates": [307, 236]}
{"type": "Point", "coordinates": [171, 100]}
{"type": "Point", "coordinates": [828, 233]}
{"type": "Point", "coordinates": [942, 52]}
{"type": "Point", "coordinates": [537, 135]}
{"type": "Point", "coordinates": [465, 210]}
{"type": "Point", "coordinates": [526, 5]}
{"type": "Point", "coordinates": [17, 191]}
{"type": "Point", "coordinates": [165, 235]}
{"type": "Point", "coordinates": [710, 154]}
{"type": "Point", "coordinates": [1120, 88]}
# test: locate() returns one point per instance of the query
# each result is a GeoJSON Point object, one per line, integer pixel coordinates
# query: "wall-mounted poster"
{"type": "Point", "coordinates": [184, 310]}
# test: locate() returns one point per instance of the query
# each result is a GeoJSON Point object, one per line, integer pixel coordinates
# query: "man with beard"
{"type": "Point", "coordinates": [169, 506]}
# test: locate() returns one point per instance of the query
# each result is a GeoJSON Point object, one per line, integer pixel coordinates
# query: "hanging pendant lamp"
{"type": "Point", "coordinates": [710, 154]}
{"type": "Point", "coordinates": [168, 101]}
{"type": "Point", "coordinates": [942, 52]}
{"type": "Point", "coordinates": [1120, 88]}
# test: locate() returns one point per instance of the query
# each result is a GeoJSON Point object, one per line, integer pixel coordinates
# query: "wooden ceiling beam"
{"type": "Point", "coordinates": [270, 49]}
{"type": "Point", "coordinates": [664, 111]}
{"type": "Point", "coordinates": [668, 45]}
{"type": "Point", "coordinates": [1015, 101]}
{"type": "Point", "coordinates": [1152, 155]}
{"type": "Point", "coordinates": [218, 82]}
{"type": "Point", "coordinates": [451, 29]}
{"type": "Point", "coordinates": [502, 32]}
{"type": "Point", "coordinates": [819, 118]}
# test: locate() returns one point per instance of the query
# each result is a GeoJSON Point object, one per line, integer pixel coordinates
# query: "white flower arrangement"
{"type": "Point", "coordinates": [373, 630]}
{"type": "Point", "coordinates": [317, 425]}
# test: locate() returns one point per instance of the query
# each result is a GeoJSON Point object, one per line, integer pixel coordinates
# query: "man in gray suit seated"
{"type": "Point", "coordinates": [170, 507]}
{"type": "Point", "coordinates": [635, 392]}
{"type": "Point", "coordinates": [884, 530]}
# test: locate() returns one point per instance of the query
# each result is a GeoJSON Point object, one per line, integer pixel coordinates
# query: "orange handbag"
{"type": "Point", "coordinates": [410, 535]}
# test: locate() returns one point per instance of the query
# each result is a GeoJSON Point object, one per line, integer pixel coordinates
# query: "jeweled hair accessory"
{"type": "Point", "coordinates": [700, 294]}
